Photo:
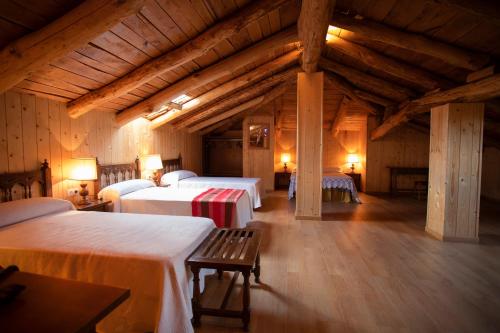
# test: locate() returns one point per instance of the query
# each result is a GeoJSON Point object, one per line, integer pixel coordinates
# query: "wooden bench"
{"type": "Point", "coordinates": [235, 250]}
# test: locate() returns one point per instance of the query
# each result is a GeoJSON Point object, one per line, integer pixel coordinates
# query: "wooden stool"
{"type": "Point", "coordinates": [235, 250]}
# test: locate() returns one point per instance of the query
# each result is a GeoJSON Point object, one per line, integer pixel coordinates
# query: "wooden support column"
{"type": "Point", "coordinates": [309, 145]}
{"type": "Point", "coordinates": [455, 171]}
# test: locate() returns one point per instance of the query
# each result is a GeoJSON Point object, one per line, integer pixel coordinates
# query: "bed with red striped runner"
{"type": "Point", "coordinates": [219, 204]}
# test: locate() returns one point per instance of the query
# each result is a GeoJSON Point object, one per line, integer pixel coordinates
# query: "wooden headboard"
{"type": "Point", "coordinates": [26, 180]}
{"type": "Point", "coordinates": [114, 173]}
{"type": "Point", "coordinates": [172, 164]}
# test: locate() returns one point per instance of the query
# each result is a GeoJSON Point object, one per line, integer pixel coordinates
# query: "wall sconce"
{"type": "Point", "coordinates": [153, 163]}
{"type": "Point", "coordinates": [352, 158]}
{"type": "Point", "coordinates": [84, 169]}
{"type": "Point", "coordinates": [285, 158]}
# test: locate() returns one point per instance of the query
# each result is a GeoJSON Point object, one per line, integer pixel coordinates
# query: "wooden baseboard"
{"type": "Point", "coordinates": [443, 238]}
{"type": "Point", "coordinates": [312, 218]}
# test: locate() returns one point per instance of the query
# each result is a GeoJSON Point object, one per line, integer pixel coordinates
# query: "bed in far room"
{"type": "Point", "coordinates": [143, 253]}
{"type": "Point", "coordinates": [337, 186]}
{"type": "Point", "coordinates": [192, 181]}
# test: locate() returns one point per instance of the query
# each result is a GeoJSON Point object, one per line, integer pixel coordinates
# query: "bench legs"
{"type": "Point", "coordinates": [246, 300]}
{"type": "Point", "coordinates": [195, 302]}
{"type": "Point", "coordinates": [256, 270]}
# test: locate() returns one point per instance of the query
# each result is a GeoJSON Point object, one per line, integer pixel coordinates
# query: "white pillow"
{"type": "Point", "coordinates": [172, 178]}
{"type": "Point", "coordinates": [332, 170]}
{"type": "Point", "coordinates": [21, 210]}
{"type": "Point", "coordinates": [113, 192]}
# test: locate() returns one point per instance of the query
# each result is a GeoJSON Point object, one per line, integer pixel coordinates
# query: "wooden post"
{"type": "Point", "coordinates": [309, 145]}
{"type": "Point", "coordinates": [455, 171]}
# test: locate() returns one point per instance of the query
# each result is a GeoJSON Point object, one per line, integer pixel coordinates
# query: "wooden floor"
{"type": "Point", "coordinates": [367, 268]}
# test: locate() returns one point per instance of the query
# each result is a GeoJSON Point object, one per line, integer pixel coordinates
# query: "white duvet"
{"type": "Point", "coordinates": [144, 253]}
{"type": "Point", "coordinates": [251, 185]}
{"type": "Point", "coordinates": [171, 201]}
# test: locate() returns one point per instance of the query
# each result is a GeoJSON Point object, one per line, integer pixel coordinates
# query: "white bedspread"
{"type": "Point", "coordinates": [144, 253]}
{"type": "Point", "coordinates": [251, 185]}
{"type": "Point", "coordinates": [330, 180]}
{"type": "Point", "coordinates": [171, 201]}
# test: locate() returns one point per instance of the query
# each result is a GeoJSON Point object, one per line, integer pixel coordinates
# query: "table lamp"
{"type": "Point", "coordinates": [153, 163]}
{"type": "Point", "coordinates": [352, 158]}
{"type": "Point", "coordinates": [84, 169]}
{"type": "Point", "coordinates": [285, 158]}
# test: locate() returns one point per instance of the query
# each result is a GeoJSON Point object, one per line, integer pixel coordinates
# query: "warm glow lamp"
{"type": "Point", "coordinates": [153, 163]}
{"type": "Point", "coordinates": [285, 158]}
{"type": "Point", "coordinates": [84, 169]}
{"type": "Point", "coordinates": [352, 158]}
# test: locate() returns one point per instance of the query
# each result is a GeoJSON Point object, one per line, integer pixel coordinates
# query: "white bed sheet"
{"type": "Point", "coordinates": [172, 201]}
{"type": "Point", "coordinates": [144, 253]}
{"type": "Point", "coordinates": [251, 185]}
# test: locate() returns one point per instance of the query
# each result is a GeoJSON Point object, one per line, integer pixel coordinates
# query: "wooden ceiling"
{"type": "Point", "coordinates": [163, 26]}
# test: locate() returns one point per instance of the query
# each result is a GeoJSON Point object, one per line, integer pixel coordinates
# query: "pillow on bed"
{"type": "Point", "coordinates": [332, 170]}
{"type": "Point", "coordinates": [21, 210]}
{"type": "Point", "coordinates": [172, 178]}
{"type": "Point", "coordinates": [113, 192]}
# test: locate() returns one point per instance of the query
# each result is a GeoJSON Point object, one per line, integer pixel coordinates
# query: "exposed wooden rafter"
{"type": "Point", "coordinates": [349, 90]}
{"type": "Point", "coordinates": [192, 49]}
{"type": "Point", "coordinates": [478, 91]}
{"type": "Point", "coordinates": [413, 76]}
{"type": "Point", "coordinates": [411, 41]}
{"type": "Point", "coordinates": [237, 98]}
{"type": "Point", "coordinates": [79, 26]}
{"type": "Point", "coordinates": [251, 104]}
{"type": "Point", "coordinates": [216, 71]}
{"type": "Point", "coordinates": [253, 76]}
{"type": "Point", "coordinates": [367, 81]}
{"type": "Point", "coordinates": [313, 26]}
{"type": "Point", "coordinates": [373, 98]}
{"type": "Point", "coordinates": [339, 116]}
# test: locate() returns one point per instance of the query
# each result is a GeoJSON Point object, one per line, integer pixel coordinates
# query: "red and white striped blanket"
{"type": "Point", "coordinates": [219, 204]}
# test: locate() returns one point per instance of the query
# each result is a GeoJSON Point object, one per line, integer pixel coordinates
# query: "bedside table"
{"type": "Point", "coordinates": [356, 177]}
{"type": "Point", "coordinates": [281, 180]}
{"type": "Point", "coordinates": [93, 205]}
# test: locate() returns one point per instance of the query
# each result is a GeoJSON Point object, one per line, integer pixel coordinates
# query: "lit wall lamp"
{"type": "Point", "coordinates": [353, 159]}
{"type": "Point", "coordinates": [153, 163]}
{"type": "Point", "coordinates": [285, 158]}
{"type": "Point", "coordinates": [84, 169]}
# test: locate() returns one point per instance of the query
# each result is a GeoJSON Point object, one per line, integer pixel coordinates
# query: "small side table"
{"type": "Point", "coordinates": [281, 180]}
{"type": "Point", "coordinates": [93, 205]}
{"type": "Point", "coordinates": [356, 177]}
{"type": "Point", "coordinates": [235, 250]}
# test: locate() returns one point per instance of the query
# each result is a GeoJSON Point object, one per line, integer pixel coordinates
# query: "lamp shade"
{"type": "Point", "coordinates": [352, 158]}
{"type": "Point", "coordinates": [153, 162]}
{"type": "Point", "coordinates": [84, 169]}
{"type": "Point", "coordinates": [285, 158]}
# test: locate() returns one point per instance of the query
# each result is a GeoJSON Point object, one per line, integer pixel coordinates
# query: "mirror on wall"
{"type": "Point", "coordinates": [259, 136]}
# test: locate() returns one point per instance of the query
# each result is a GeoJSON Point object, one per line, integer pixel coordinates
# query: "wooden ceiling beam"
{"type": "Point", "coordinates": [243, 80]}
{"type": "Point", "coordinates": [313, 26]}
{"type": "Point", "coordinates": [477, 91]}
{"type": "Point", "coordinates": [251, 104]}
{"type": "Point", "coordinates": [190, 50]}
{"type": "Point", "coordinates": [413, 76]}
{"type": "Point", "coordinates": [215, 126]}
{"type": "Point", "coordinates": [411, 41]}
{"type": "Point", "coordinates": [349, 90]}
{"type": "Point", "coordinates": [73, 30]}
{"type": "Point", "coordinates": [214, 72]}
{"type": "Point", "coordinates": [367, 82]}
{"type": "Point", "coordinates": [373, 98]}
{"type": "Point", "coordinates": [339, 117]}
{"type": "Point", "coordinates": [485, 9]}
{"type": "Point", "coordinates": [288, 75]}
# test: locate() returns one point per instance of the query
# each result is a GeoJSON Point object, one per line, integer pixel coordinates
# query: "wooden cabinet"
{"type": "Point", "coordinates": [281, 180]}
{"type": "Point", "coordinates": [356, 177]}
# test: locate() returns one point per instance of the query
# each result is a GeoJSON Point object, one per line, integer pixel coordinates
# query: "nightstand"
{"type": "Point", "coordinates": [281, 180]}
{"type": "Point", "coordinates": [93, 205]}
{"type": "Point", "coordinates": [356, 177]}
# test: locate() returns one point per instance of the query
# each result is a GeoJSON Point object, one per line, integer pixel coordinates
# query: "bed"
{"type": "Point", "coordinates": [143, 253]}
{"type": "Point", "coordinates": [131, 195]}
{"type": "Point", "coordinates": [337, 186]}
{"type": "Point", "coordinates": [251, 185]}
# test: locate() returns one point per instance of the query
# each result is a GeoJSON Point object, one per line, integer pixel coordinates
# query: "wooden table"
{"type": "Point", "coordinates": [57, 305]}
{"type": "Point", "coordinates": [235, 250]}
{"type": "Point", "coordinates": [397, 171]}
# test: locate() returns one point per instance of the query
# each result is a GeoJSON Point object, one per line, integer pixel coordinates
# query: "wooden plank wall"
{"type": "Point", "coordinates": [403, 147]}
{"type": "Point", "coordinates": [259, 162]}
{"type": "Point", "coordinates": [33, 129]}
{"type": "Point", "coordinates": [490, 179]}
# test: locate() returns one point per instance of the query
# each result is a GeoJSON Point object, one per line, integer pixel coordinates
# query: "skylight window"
{"type": "Point", "coordinates": [181, 99]}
